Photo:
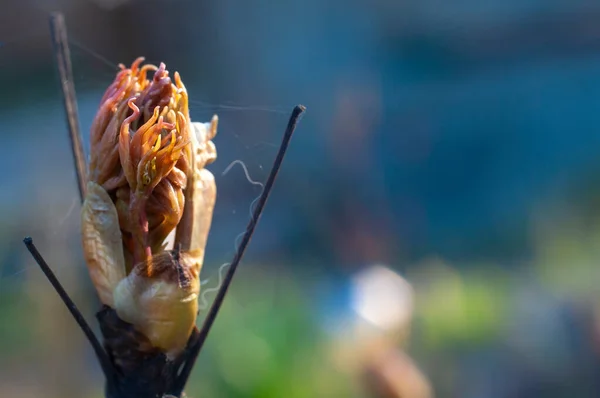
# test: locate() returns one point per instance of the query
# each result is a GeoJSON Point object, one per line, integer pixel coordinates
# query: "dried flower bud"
{"type": "Point", "coordinates": [147, 181]}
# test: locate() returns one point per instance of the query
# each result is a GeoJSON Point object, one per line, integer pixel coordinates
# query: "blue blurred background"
{"type": "Point", "coordinates": [455, 143]}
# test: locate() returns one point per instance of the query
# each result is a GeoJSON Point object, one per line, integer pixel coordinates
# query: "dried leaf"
{"type": "Point", "coordinates": [102, 244]}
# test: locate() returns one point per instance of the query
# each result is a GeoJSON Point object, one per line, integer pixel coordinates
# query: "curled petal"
{"type": "Point", "coordinates": [142, 136]}
{"type": "Point", "coordinates": [124, 141]}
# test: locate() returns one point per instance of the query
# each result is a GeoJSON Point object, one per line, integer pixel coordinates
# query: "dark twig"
{"type": "Point", "coordinates": [105, 363]}
{"type": "Point", "coordinates": [199, 340]}
{"type": "Point", "coordinates": [58, 31]}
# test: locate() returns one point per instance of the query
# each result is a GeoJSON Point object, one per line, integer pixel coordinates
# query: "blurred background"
{"type": "Point", "coordinates": [435, 229]}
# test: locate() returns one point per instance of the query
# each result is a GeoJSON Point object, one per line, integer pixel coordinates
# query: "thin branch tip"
{"type": "Point", "coordinates": [102, 356]}
{"type": "Point", "coordinates": [62, 55]}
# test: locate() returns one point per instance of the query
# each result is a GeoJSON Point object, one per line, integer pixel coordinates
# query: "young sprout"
{"type": "Point", "coordinates": [146, 177]}
{"type": "Point", "coordinates": [147, 210]}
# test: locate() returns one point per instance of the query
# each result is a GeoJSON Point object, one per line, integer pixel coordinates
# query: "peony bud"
{"type": "Point", "coordinates": [147, 181]}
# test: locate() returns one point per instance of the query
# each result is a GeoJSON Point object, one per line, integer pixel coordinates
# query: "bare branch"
{"type": "Point", "coordinates": [105, 363]}
{"type": "Point", "coordinates": [197, 341]}
{"type": "Point", "coordinates": [58, 31]}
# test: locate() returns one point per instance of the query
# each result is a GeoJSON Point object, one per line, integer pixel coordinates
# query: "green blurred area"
{"type": "Point", "coordinates": [270, 340]}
